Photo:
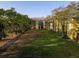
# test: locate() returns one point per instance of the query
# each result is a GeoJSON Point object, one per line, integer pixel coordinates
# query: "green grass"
{"type": "Point", "coordinates": [49, 45]}
{"type": "Point", "coordinates": [47, 38]}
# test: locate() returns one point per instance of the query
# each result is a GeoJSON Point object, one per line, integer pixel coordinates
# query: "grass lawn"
{"type": "Point", "coordinates": [49, 45]}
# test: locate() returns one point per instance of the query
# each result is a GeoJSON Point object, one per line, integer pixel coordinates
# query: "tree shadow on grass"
{"type": "Point", "coordinates": [42, 52]}
{"type": "Point", "coordinates": [57, 51]}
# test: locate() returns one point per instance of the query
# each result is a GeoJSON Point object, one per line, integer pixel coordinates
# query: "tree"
{"type": "Point", "coordinates": [14, 22]}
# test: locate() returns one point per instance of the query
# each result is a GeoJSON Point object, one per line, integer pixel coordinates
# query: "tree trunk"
{"type": "Point", "coordinates": [53, 26]}
{"type": "Point", "coordinates": [64, 34]}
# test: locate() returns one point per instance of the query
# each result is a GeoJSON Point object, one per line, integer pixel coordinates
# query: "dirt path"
{"type": "Point", "coordinates": [19, 41]}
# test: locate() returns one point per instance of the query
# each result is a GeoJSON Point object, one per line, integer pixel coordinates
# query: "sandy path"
{"type": "Point", "coordinates": [26, 37]}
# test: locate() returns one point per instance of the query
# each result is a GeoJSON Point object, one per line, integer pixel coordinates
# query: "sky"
{"type": "Point", "coordinates": [33, 8]}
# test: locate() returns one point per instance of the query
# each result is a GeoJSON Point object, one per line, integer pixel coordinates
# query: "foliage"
{"type": "Point", "coordinates": [62, 17]}
{"type": "Point", "coordinates": [13, 21]}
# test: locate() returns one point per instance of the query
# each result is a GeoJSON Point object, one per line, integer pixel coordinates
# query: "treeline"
{"type": "Point", "coordinates": [66, 20]}
{"type": "Point", "coordinates": [13, 22]}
